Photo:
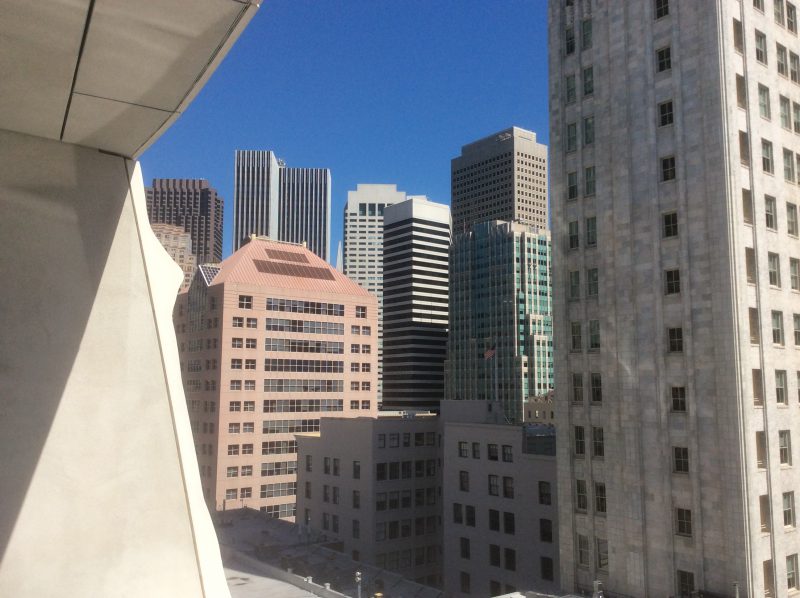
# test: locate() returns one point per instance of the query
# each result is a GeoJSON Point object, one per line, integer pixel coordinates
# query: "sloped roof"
{"type": "Point", "coordinates": [274, 264]}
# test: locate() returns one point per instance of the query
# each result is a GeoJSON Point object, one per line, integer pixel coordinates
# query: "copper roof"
{"type": "Point", "coordinates": [264, 262]}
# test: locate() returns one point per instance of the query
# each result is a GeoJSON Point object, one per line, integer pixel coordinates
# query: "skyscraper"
{"type": "Point", "coordinates": [675, 241]}
{"type": "Point", "coordinates": [416, 239]}
{"type": "Point", "coordinates": [178, 245]}
{"type": "Point", "coordinates": [282, 203]}
{"type": "Point", "coordinates": [193, 205]}
{"type": "Point", "coordinates": [363, 245]}
{"type": "Point", "coordinates": [500, 177]}
{"type": "Point", "coordinates": [500, 336]}
{"type": "Point", "coordinates": [271, 339]}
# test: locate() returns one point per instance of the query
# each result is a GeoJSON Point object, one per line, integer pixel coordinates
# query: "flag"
{"type": "Point", "coordinates": [489, 353]}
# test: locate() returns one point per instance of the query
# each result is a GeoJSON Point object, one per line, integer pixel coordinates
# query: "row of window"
{"type": "Point", "coordinates": [493, 484]}
{"type": "Point", "coordinates": [402, 559]}
{"type": "Point", "coordinates": [303, 365]}
{"type": "Point", "coordinates": [305, 326]}
{"type": "Point", "coordinates": [388, 501]}
{"type": "Point", "coordinates": [311, 307]}
{"type": "Point", "coordinates": [274, 447]}
{"type": "Point", "coordinates": [396, 470]}
{"type": "Point", "coordinates": [420, 439]}
{"type": "Point", "coordinates": [492, 453]}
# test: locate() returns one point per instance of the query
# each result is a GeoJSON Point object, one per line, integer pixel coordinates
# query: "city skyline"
{"type": "Point", "coordinates": [380, 137]}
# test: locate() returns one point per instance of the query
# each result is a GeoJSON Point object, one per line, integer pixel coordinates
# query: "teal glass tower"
{"type": "Point", "coordinates": [500, 345]}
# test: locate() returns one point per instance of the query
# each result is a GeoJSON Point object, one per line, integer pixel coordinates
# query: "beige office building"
{"type": "Point", "coordinates": [271, 340]}
{"type": "Point", "coordinates": [500, 503]}
{"type": "Point", "coordinates": [178, 244]}
{"type": "Point", "coordinates": [674, 156]}
{"type": "Point", "coordinates": [371, 486]}
{"type": "Point", "coordinates": [500, 177]}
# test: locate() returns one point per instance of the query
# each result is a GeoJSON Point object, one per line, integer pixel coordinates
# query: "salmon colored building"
{"type": "Point", "coordinates": [271, 340]}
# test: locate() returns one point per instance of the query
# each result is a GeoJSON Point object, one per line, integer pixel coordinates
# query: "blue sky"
{"type": "Point", "coordinates": [378, 91]}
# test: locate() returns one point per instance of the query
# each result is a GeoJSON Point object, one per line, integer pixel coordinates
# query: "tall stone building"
{"type": "Point", "coordinates": [500, 336]}
{"type": "Point", "coordinates": [271, 340]}
{"type": "Point", "coordinates": [193, 205]}
{"type": "Point", "coordinates": [416, 240]}
{"type": "Point", "coordinates": [674, 156]}
{"type": "Point", "coordinates": [362, 257]}
{"type": "Point", "coordinates": [500, 177]}
{"type": "Point", "coordinates": [178, 244]}
{"type": "Point", "coordinates": [282, 203]}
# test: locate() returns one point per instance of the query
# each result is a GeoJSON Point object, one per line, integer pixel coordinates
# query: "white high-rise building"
{"type": "Point", "coordinates": [674, 155]}
{"type": "Point", "coordinates": [362, 256]}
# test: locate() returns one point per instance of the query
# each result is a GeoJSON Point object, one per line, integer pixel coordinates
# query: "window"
{"type": "Point", "coordinates": [588, 130]}
{"type": "Point", "coordinates": [233, 449]}
{"type": "Point", "coordinates": [588, 181]}
{"type": "Point", "coordinates": [236, 364]}
{"type": "Point", "coordinates": [669, 224]}
{"type": "Point", "coordinates": [672, 282]}
{"type": "Point", "coordinates": [788, 165]}
{"type": "Point", "coordinates": [591, 231]}
{"type": "Point", "coordinates": [596, 381]}
{"type": "Point", "coordinates": [588, 81]}
{"type": "Point", "coordinates": [458, 513]}
{"type": "Point", "coordinates": [576, 340]}
{"type": "Point", "coordinates": [245, 302]}
{"type": "Point", "coordinates": [788, 509]}
{"type": "Point", "coordinates": [492, 452]}
{"type": "Point", "coordinates": [783, 63]}
{"type": "Point", "coordinates": [786, 112]}
{"type": "Point", "coordinates": [252, 322]}
{"type": "Point", "coordinates": [476, 450]}
{"type": "Point", "coordinates": [599, 497]}
{"type": "Point", "coordinates": [464, 582]}
{"type": "Point", "coordinates": [683, 522]}
{"type": "Point", "coordinates": [465, 548]}
{"type": "Point", "coordinates": [580, 441]}
{"type": "Point", "coordinates": [581, 497]}
{"type": "Point", "coordinates": [680, 459]}
{"type": "Point", "coordinates": [663, 59]}
{"type": "Point", "coordinates": [569, 40]}
{"type": "Point", "coordinates": [574, 285]}
{"type": "Point", "coordinates": [791, 572]}
{"type": "Point", "coordinates": [469, 514]}
{"type": "Point", "coordinates": [761, 47]}
{"type": "Point", "coordinates": [771, 213]}
{"type": "Point", "coordinates": [662, 8]}
{"type": "Point", "coordinates": [598, 445]}
{"type": "Point", "coordinates": [668, 168]}
{"type": "Point", "coordinates": [763, 102]}
{"type": "Point", "coordinates": [744, 149]}
{"type": "Point", "coordinates": [577, 388]}
{"type": "Point", "coordinates": [572, 137]}
{"type": "Point", "coordinates": [583, 550]}
{"type": "Point", "coordinates": [755, 334]}
{"type": "Point", "coordinates": [791, 219]}
{"type": "Point", "coordinates": [232, 472]}
{"type": "Point", "coordinates": [741, 92]}
{"type": "Point", "coordinates": [779, 11]}
{"type": "Point", "coordinates": [767, 160]}
{"type": "Point", "coordinates": [570, 89]}
{"type": "Point", "coordinates": [794, 273]}
{"type": "Point", "coordinates": [510, 558]}
{"type": "Point", "coordinates": [785, 447]}
{"type": "Point", "coordinates": [602, 554]}
{"type": "Point", "coordinates": [508, 455]}
{"type": "Point", "coordinates": [686, 579]}
{"type": "Point", "coordinates": [494, 555]}
{"type": "Point", "coordinates": [308, 462]}
{"type": "Point", "coordinates": [777, 328]}
{"type": "Point", "coordinates": [235, 406]}
{"type": "Point", "coordinates": [675, 340]}
{"type": "Point", "coordinates": [508, 487]}
{"type": "Point", "coordinates": [678, 398]}
{"type": "Point", "coordinates": [774, 266]}
{"type": "Point", "coordinates": [738, 36]}
{"type": "Point", "coordinates": [494, 485]}
{"type": "Point", "coordinates": [592, 282]}
{"type": "Point", "coordinates": [586, 34]}
{"type": "Point", "coordinates": [238, 322]}
{"type": "Point", "coordinates": [573, 236]}
{"type": "Point", "coordinates": [594, 335]}
{"type": "Point", "coordinates": [572, 185]}
{"type": "Point", "coordinates": [463, 481]}
{"type": "Point", "coordinates": [665, 114]}
{"type": "Point", "coordinates": [463, 449]}
{"type": "Point", "coordinates": [796, 320]}
{"type": "Point", "coordinates": [791, 17]}
{"type": "Point", "coordinates": [494, 520]}
{"type": "Point", "coordinates": [545, 495]}
{"type": "Point", "coordinates": [361, 311]}
{"type": "Point", "coordinates": [794, 68]}
{"type": "Point", "coordinates": [758, 5]}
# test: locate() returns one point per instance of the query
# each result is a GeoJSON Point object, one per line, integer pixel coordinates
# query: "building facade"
{"type": "Point", "coordinates": [416, 240]}
{"type": "Point", "coordinates": [675, 237]}
{"type": "Point", "coordinates": [377, 494]}
{"type": "Point", "coordinates": [362, 256]}
{"type": "Point", "coordinates": [178, 244]}
{"type": "Point", "coordinates": [193, 205]}
{"type": "Point", "coordinates": [282, 203]}
{"type": "Point", "coordinates": [500, 337]}
{"type": "Point", "coordinates": [500, 503]}
{"type": "Point", "coordinates": [278, 309]}
{"type": "Point", "coordinates": [500, 177]}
